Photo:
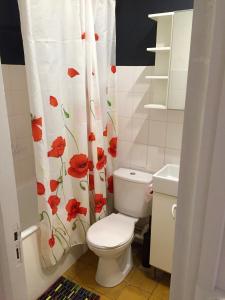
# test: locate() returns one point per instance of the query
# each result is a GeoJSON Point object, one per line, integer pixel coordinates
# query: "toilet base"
{"type": "Point", "coordinates": [112, 271]}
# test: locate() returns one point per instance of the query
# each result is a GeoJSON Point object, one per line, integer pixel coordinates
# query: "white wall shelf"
{"type": "Point", "coordinates": [157, 16]}
{"type": "Point", "coordinates": [156, 77]}
{"type": "Point", "coordinates": [156, 49]}
{"type": "Point", "coordinates": [169, 75]}
{"type": "Point", "coordinates": [155, 106]}
{"type": "Point", "coordinates": [160, 77]}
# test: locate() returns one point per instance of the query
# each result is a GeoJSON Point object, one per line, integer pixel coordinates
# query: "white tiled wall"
{"type": "Point", "coordinates": [15, 85]}
{"type": "Point", "coordinates": [147, 138]}
{"type": "Point", "coordinates": [14, 78]}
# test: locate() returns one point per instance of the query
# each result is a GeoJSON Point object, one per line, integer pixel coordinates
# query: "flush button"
{"type": "Point", "coordinates": [132, 173]}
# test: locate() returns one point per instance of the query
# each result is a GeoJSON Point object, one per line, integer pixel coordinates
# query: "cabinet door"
{"type": "Point", "coordinates": [180, 49]}
{"type": "Point", "coordinates": [162, 231]}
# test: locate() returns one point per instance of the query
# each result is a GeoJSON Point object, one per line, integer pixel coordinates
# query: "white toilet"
{"type": "Point", "coordinates": [110, 238]}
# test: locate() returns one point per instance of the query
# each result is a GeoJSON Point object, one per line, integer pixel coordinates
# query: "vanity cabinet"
{"type": "Point", "coordinates": [162, 231]}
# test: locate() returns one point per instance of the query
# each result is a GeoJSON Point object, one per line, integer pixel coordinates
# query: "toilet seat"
{"type": "Point", "coordinates": [111, 232]}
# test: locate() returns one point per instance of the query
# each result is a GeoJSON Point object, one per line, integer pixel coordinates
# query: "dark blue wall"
{"type": "Point", "coordinates": [157, 6]}
{"type": "Point", "coordinates": [135, 32]}
{"type": "Point", "coordinates": [11, 47]}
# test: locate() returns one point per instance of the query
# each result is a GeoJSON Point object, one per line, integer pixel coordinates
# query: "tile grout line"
{"type": "Point", "coordinates": [153, 291]}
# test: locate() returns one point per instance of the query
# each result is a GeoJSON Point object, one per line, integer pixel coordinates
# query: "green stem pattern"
{"type": "Point", "coordinates": [45, 212]}
{"type": "Point", "coordinates": [91, 108]}
{"type": "Point", "coordinates": [112, 122]}
{"type": "Point", "coordinates": [54, 257]}
{"type": "Point", "coordinates": [63, 226]}
{"type": "Point", "coordinates": [59, 228]}
{"type": "Point", "coordinates": [68, 244]}
{"type": "Point", "coordinates": [82, 226]}
{"type": "Point", "coordinates": [60, 242]}
{"type": "Point", "coordinates": [73, 137]}
{"type": "Point", "coordinates": [67, 128]}
{"type": "Point", "coordinates": [85, 181]}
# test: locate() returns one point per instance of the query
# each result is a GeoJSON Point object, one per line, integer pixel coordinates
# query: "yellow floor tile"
{"type": "Point", "coordinates": [81, 273]}
{"type": "Point", "coordinates": [128, 277]}
{"type": "Point", "coordinates": [132, 293]}
{"type": "Point", "coordinates": [102, 297]}
{"type": "Point", "coordinates": [142, 279]}
{"type": "Point", "coordinates": [112, 293]}
{"type": "Point", "coordinates": [89, 258]}
{"type": "Point", "coordinates": [84, 274]}
{"type": "Point", "coordinates": [138, 285]}
{"type": "Point", "coordinates": [160, 293]}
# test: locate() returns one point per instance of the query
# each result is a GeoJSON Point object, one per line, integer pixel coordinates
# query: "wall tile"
{"type": "Point", "coordinates": [12, 128]}
{"type": "Point", "coordinates": [140, 131]}
{"type": "Point", "coordinates": [125, 128]}
{"type": "Point", "coordinates": [23, 148]}
{"type": "Point", "coordinates": [22, 126]}
{"type": "Point", "coordinates": [174, 135]}
{"type": "Point", "coordinates": [157, 133]}
{"type": "Point", "coordinates": [155, 159]}
{"type": "Point", "coordinates": [147, 138]}
{"type": "Point", "coordinates": [172, 156]}
{"type": "Point", "coordinates": [24, 170]}
{"type": "Point", "coordinates": [132, 78]}
{"type": "Point", "coordinates": [138, 102]}
{"type": "Point", "coordinates": [155, 136]}
{"type": "Point", "coordinates": [139, 156]}
{"type": "Point", "coordinates": [124, 154]}
{"type": "Point", "coordinates": [175, 116]}
{"type": "Point", "coordinates": [17, 75]}
{"type": "Point", "coordinates": [140, 84]}
{"type": "Point", "coordinates": [125, 78]}
{"type": "Point", "coordinates": [158, 115]}
{"type": "Point", "coordinates": [6, 77]}
{"type": "Point", "coordinates": [17, 103]}
{"type": "Point", "coordinates": [19, 122]}
{"type": "Point", "coordinates": [124, 104]}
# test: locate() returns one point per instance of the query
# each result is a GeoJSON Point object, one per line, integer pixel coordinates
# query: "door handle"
{"type": "Point", "coordinates": [173, 210]}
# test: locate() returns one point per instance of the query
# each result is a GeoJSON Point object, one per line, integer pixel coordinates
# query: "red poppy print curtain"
{"type": "Point", "coordinates": [70, 62]}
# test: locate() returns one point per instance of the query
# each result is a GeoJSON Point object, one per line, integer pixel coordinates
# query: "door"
{"type": "Point", "coordinates": [12, 274]}
{"type": "Point", "coordinates": [199, 264]}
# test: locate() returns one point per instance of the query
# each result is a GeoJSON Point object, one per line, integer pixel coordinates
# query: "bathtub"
{"type": "Point", "coordinates": [37, 278]}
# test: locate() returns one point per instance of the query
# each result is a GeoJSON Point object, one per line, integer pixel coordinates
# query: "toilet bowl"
{"type": "Point", "coordinates": [110, 239]}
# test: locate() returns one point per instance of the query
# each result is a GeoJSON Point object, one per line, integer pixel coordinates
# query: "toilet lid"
{"type": "Point", "coordinates": [112, 231]}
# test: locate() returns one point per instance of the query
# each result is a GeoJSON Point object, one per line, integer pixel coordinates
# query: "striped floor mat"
{"type": "Point", "coordinates": [64, 289]}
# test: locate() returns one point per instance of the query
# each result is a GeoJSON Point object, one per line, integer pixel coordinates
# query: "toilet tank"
{"type": "Point", "coordinates": [132, 192]}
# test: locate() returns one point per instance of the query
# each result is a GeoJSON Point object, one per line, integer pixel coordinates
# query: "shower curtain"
{"type": "Point", "coordinates": [69, 50]}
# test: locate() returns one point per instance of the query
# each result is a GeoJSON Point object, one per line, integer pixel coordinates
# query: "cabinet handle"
{"type": "Point", "coordinates": [173, 210]}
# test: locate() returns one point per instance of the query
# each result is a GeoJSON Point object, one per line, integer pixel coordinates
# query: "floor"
{"type": "Point", "coordinates": [138, 285]}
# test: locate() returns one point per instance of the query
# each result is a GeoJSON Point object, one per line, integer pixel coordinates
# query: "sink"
{"type": "Point", "coordinates": [166, 180]}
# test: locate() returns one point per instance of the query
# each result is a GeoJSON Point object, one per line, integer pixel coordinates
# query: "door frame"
{"type": "Point", "coordinates": [201, 207]}
{"type": "Point", "coordinates": [12, 272]}
{"type": "Point", "coordinates": [201, 151]}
